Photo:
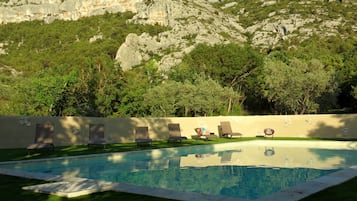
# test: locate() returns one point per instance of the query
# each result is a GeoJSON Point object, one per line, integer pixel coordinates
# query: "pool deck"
{"type": "Point", "coordinates": [74, 186]}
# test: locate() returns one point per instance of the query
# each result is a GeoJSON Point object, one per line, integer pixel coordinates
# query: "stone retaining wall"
{"type": "Point", "coordinates": [20, 131]}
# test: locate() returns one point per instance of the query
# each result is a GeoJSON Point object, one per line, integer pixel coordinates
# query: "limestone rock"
{"type": "Point", "coordinates": [18, 11]}
{"type": "Point", "coordinates": [189, 27]}
{"type": "Point", "coordinates": [128, 54]}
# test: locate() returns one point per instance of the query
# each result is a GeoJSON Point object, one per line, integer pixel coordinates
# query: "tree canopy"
{"type": "Point", "coordinates": [295, 86]}
{"type": "Point", "coordinates": [203, 97]}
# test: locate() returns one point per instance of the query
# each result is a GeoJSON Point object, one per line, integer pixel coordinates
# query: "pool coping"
{"type": "Point", "coordinates": [290, 194]}
{"type": "Point", "coordinates": [306, 189]}
{"type": "Point", "coordinates": [107, 186]}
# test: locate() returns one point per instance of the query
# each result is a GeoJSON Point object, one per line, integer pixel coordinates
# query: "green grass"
{"type": "Point", "coordinates": [22, 154]}
{"type": "Point", "coordinates": [10, 187]}
{"type": "Point", "coordinates": [343, 192]}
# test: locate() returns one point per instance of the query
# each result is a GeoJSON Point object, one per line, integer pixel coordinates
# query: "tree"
{"type": "Point", "coordinates": [294, 87]}
{"type": "Point", "coordinates": [354, 93]}
{"type": "Point", "coordinates": [39, 96]}
{"type": "Point", "coordinates": [210, 98]}
{"type": "Point", "coordinates": [347, 78]}
{"type": "Point", "coordinates": [91, 90]}
{"type": "Point", "coordinates": [186, 95]}
{"type": "Point", "coordinates": [152, 72]}
{"type": "Point", "coordinates": [203, 97]}
{"type": "Point", "coordinates": [108, 88]}
{"type": "Point", "coordinates": [162, 99]}
{"type": "Point", "coordinates": [231, 65]}
{"type": "Point", "coordinates": [135, 84]}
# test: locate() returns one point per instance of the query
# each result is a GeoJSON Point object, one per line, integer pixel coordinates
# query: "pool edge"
{"type": "Point", "coordinates": [306, 189]}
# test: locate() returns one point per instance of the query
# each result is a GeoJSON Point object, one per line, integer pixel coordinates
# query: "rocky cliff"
{"type": "Point", "coordinates": [190, 21]}
{"type": "Point", "coordinates": [48, 10]}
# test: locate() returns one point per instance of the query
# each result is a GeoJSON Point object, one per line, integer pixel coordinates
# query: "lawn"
{"type": "Point", "coordinates": [10, 187]}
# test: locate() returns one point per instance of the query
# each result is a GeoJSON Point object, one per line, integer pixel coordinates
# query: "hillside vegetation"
{"type": "Point", "coordinates": [70, 67]}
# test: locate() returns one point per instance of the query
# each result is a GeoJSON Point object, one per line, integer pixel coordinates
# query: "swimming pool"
{"type": "Point", "coordinates": [246, 170]}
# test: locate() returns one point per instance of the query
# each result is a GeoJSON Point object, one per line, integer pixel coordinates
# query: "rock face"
{"type": "Point", "coordinates": [190, 21]}
{"type": "Point", "coordinates": [48, 10]}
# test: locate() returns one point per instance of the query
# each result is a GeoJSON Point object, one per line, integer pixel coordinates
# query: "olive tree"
{"type": "Point", "coordinates": [294, 86]}
{"type": "Point", "coordinates": [202, 97]}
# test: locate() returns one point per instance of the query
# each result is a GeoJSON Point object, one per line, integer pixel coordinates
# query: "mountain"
{"type": "Point", "coordinates": [263, 24]}
{"type": "Point", "coordinates": [126, 57]}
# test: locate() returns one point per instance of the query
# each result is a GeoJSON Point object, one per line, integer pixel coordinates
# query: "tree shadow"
{"type": "Point", "coordinates": [157, 127]}
{"type": "Point", "coordinates": [344, 130]}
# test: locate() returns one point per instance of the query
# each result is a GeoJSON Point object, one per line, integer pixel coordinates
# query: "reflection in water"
{"type": "Point", "coordinates": [269, 151]}
{"type": "Point", "coordinates": [201, 155]}
{"type": "Point", "coordinates": [245, 172]}
{"type": "Point", "coordinates": [235, 181]}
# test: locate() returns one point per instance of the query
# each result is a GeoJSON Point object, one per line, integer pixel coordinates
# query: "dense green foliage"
{"type": "Point", "coordinates": [64, 45]}
{"type": "Point", "coordinates": [316, 77]}
{"type": "Point", "coordinates": [69, 68]}
{"type": "Point", "coordinates": [202, 97]}
{"type": "Point", "coordinates": [232, 65]}
{"type": "Point", "coordinates": [294, 86]}
{"type": "Point", "coordinates": [60, 69]}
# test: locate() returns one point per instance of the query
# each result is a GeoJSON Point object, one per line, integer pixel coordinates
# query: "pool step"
{"type": "Point", "coordinates": [71, 188]}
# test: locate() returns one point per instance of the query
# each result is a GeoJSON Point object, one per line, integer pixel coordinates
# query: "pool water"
{"type": "Point", "coordinates": [247, 170]}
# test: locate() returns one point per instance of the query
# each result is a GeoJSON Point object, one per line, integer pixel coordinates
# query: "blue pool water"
{"type": "Point", "coordinates": [234, 169]}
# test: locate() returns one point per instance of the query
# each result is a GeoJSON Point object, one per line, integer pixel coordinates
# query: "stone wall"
{"type": "Point", "coordinates": [17, 132]}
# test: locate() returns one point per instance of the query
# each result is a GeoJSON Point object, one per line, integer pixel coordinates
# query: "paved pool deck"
{"type": "Point", "coordinates": [74, 186]}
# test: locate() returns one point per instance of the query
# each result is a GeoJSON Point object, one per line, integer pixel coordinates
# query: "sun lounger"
{"type": "Point", "coordinates": [226, 130]}
{"type": "Point", "coordinates": [175, 133]}
{"type": "Point", "coordinates": [96, 135]}
{"type": "Point", "coordinates": [203, 136]}
{"type": "Point", "coordinates": [43, 137]}
{"type": "Point", "coordinates": [142, 136]}
{"type": "Point", "coordinates": [226, 156]}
